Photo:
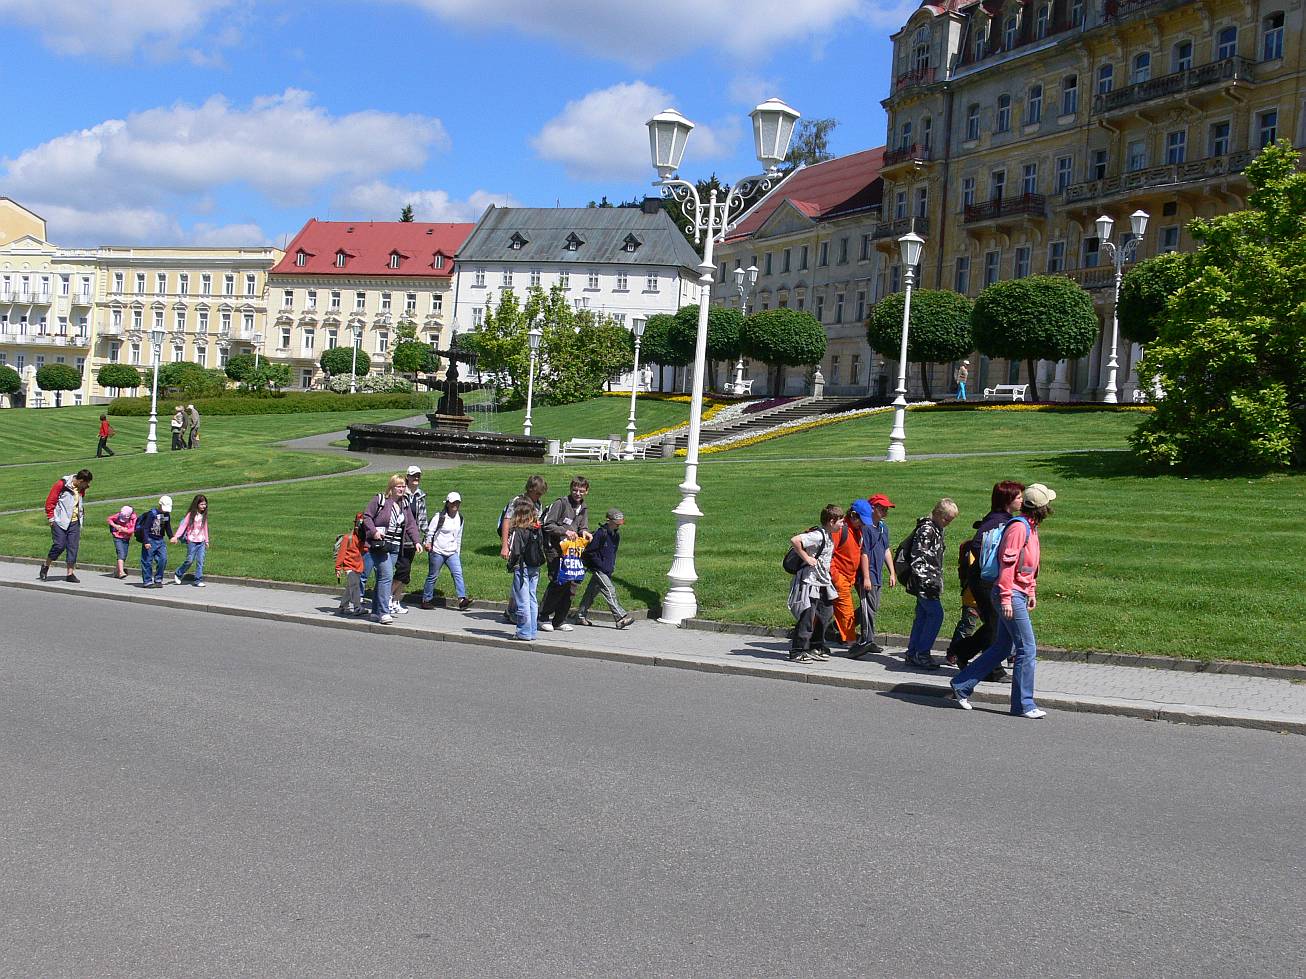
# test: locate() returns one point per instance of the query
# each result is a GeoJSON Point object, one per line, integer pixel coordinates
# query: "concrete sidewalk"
{"type": "Point", "coordinates": [1153, 694]}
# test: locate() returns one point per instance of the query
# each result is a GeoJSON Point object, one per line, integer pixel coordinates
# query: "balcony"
{"type": "Point", "coordinates": [899, 227]}
{"type": "Point", "coordinates": [1168, 175]}
{"type": "Point", "coordinates": [1118, 9]}
{"type": "Point", "coordinates": [915, 153]}
{"type": "Point", "coordinates": [1031, 205]}
{"type": "Point", "coordinates": [1229, 70]}
{"type": "Point", "coordinates": [46, 339]}
{"type": "Point", "coordinates": [913, 78]}
{"type": "Point", "coordinates": [1101, 277]}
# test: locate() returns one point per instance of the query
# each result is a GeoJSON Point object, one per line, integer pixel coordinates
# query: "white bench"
{"type": "Point", "coordinates": [1016, 392]}
{"type": "Point", "coordinates": [1140, 396]}
{"type": "Point", "coordinates": [740, 387]}
{"type": "Point", "coordinates": [585, 449]}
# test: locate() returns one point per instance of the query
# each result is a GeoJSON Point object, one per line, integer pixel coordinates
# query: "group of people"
{"type": "Point", "coordinates": [185, 427]}
{"type": "Point", "coordinates": [847, 555]}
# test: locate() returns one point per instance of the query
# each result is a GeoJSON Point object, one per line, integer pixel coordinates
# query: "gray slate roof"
{"type": "Point", "coordinates": [602, 229]}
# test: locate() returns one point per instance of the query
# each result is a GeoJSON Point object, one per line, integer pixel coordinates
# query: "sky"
{"type": "Point", "coordinates": [232, 122]}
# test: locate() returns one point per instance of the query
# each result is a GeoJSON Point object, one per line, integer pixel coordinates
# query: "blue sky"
{"type": "Point", "coordinates": [234, 121]}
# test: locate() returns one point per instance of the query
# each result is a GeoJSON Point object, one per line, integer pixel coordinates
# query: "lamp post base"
{"type": "Point", "coordinates": [898, 436]}
{"type": "Point", "coordinates": [680, 602]}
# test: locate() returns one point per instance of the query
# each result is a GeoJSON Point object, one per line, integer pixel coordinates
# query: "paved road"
{"type": "Point", "coordinates": [189, 794]}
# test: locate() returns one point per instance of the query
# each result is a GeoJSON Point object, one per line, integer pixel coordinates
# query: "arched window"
{"type": "Point", "coordinates": [920, 50]}
{"type": "Point", "coordinates": [904, 135]}
{"type": "Point", "coordinates": [1181, 56]}
{"type": "Point", "coordinates": [1009, 33]}
{"type": "Point", "coordinates": [1272, 49]}
{"type": "Point", "coordinates": [1142, 68]}
{"type": "Point", "coordinates": [1041, 20]}
{"type": "Point", "coordinates": [1002, 122]}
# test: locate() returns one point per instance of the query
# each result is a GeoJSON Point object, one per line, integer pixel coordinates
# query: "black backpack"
{"type": "Point", "coordinates": [141, 523]}
{"type": "Point", "coordinates": [792, 563]}
{"type": "Point", "coordinates": [532, 554]}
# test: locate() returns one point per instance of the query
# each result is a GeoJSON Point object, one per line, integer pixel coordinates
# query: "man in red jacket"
{"type": "Point", "coordinates": [106, 430]}
{"type": "Point", "coordinates": [65, 509]}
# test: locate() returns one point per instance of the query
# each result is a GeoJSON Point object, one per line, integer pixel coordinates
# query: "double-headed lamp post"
{"type": "Point", "coordinates": [745, 279]}
{"type": "Point", "coordinates": [357, 331]}
{"type": "Point", "coordinates": [910, 245]}
{"type": "Point", "coordinates": [534, 335]}
{"type": "Point", "coordinates": [151, 440]}
{"type": "Point", "coordinates": [1120, 254]}
{"type": "Point", "coordinates": [637, 328]}
{"type": "Point", "coordinates": [668, 131]}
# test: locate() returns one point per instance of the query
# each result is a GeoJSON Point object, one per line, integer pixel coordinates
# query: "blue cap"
{"type": "Point", "coordinates": [863, 510]}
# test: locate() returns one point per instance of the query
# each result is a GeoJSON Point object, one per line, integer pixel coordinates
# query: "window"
{"type": "Point", "coordinates": [1176, 146]}
{"type": "Point", "coordinates": [439, 260]}
{"type": "Point", "coordinates": [137, 320]}
{"type": "Point", "coordinates": [1041, 21]}
{"type": "Point", "coordinates": [335, 298]}
{"type": "Point", "coordinates": [1070, 95]}
{"type": "Point", "coordinates": [592, 280]}
{"type": "Point", "coordinates": [1226, 44]}
{"type": "Point", "coordinates": [1002, 121]}
{"type": "Point", "coordinates": [927, 132]}
{"type": "Point", "coordinates": [478, 315]}
{"type": "Point", "coordinates": [535, 278]}
{"type": "Point", "coordinates": [630, 244]}
{"type": "Point", "coordinates": [922, 209]}
{"type": "Point", "coordinates": [820, 308]}
{"type": "Point", "coordinates": [332, 338]}
{"type": "Point", "coordinates": [340, 259]}
{"type": "Point", "coordinates": [206, 284]}
{"type": "Point", "coordinates": [838, 307]}
{"type": "Point", "coordinates": [992, 265]}
{"type": "Point", "coordinates": [1064, 164]}
{"type": "Point", "coordinates": [1029, 178]}
{"type": "Point", "coordinates": [1142, 70]}
{"type": "Point", "coordinates": [382, 342]}
{"type": "Point", "coordinates": [394, 260]}
{"type": "Point", "coordinates": [822, 254]}
{"type": "Point", "coordinates": [284, 342]}
{"type": "Point", "coordinates": [251, 284]}
{"type": "Point", "coordinates": [843, 245]}
{"type": "Point", "coordinates": [1057, 256]}
{"type": "Point", "coordinates": [1267, 127]}
{"type": "Point", "coordinates": [178, 352]}
{"type": "Point", "coordinates": [202, 324]}
{"type": "Point", "coordinates": [1218, 144]}
{"type": "Point", "coordinates": [895, 278]}
{"type": "Point", "coordinates": [1076, 12]}
{"type": "Point", "coordinates": [651, 282]}
{"type": "Point", "coordinates": [1106, 78]}
{"type": "Point", "coordinates": [1272, 48]}
{"type": "Point", "coordinates": [301, 258]}
{"type": "Point", "coordinates": [900, 205]}
{"type": "Point", "coordinates": [1181, 56]}
{"type": "Point", "coordinates": [967, 191]}
{"type": "Point", "coordinates": [360, 301]}
{"type": "Point", "coordinates": [478, 278]}
{"type": "Point", "coordinates": [786, 255]}
{"type": "Point", "coordinates": [768, 263]}
{"type": "Point", "coordinates": [158, 319]}
{"type": "Point", "coordinates": [310, 300]}
{"type": "Point", "coordinates": [623, 283]}
{"type": "Point", "coordinates": [1009, 33]}
{"type": "Point", "coordinates": [1034, 105]}
{"type": "Point", "coordinates": [310, 338]}
{"type": "Point", "coordinates": [229, 285]}
{"type": "Point", "coordinates": [904, 135]}
{"type": "Point", "coordinates": [161, 283]}
{"type": "Point", "coordinates": [961, 278]}
{"type": "Point", "coordinates": [574, 242]}
{"type": "Point", "coordinates": [287, 298]}
{"type": "Point", "coordinates": [202, 355]}
{"type": "Point", "coordinates": [564, 280]}
{"type": "Point", "coordinates": [505, 279]}
{"type": "Point", "coordinates": [834, 369]}
{"type": "Point", "coordinates": [802, 260]}
{"type": "Point", "coordinates": [972, 122]}
{"type": "Point", "coordinates": [861, 305]}
{"type": "Point", "coordinates": [1097, 165]}
{"type": "Point", "coordinates": [997, 184]}
{"type": "Point", "coordinates": [981, 39]}
{"type": "Point", "coordinates": [179, 321]}
{"type": "Point", "coordinates": [920, 52]}
{"type": "Point", "coordinates": [64, 285]}
{"type": "Point", "coordinates": [225, 324]}
{"type": "Point", "coordinates": [117, 282]}
{"type": "Point", "coordinates": [387, 301]}
{"type": "Point", "coordinates": [437, 303]}
{"type": "Point", "coordinates": [866, 249]}
{"type": "Point", "coordinates": [140, 282]}
{"type": "Point", "coordinates": [1170, 238]}
{"type": "Point", "coordinates": [1092, 253]}
{"type": "Point", "coordinates": [1136, 155]}
{"type": "Point", "coordinates": [1020, 267]}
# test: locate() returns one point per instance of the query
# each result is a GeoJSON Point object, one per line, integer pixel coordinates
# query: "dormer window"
{"type": "Point", "coordinates": [301, 258]}
{"type": "Point", "coordinates": [631, 244]}
{"type": "Point", "coordinates": [516, 242]}
{"type": "Point", "coordinates": [341, 257]}
{"type": "Point", "coordinates": [439, 260]}
{"type": "Point", "coordinates": [574, 242]}
{"type": "Point", "coordinates": [395, 259]}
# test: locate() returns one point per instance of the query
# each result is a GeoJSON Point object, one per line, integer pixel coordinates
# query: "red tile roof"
{"type": "Point", "coordinates": [823, 190]}
{"type": "Point", "coordinates": [368, 246]}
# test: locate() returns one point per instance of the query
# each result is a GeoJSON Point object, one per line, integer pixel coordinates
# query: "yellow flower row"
{"type": "Point", "coordinates": [776, 433]}
{"type": "Point", "coordinates": [710, 409]}
{"type": "Point", "coordinates": [1021, 406]}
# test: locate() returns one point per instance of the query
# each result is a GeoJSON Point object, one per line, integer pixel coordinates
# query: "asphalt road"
{"type": "Point", "coordinates": [186, 794]}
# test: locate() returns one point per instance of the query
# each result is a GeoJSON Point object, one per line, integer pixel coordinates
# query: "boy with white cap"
{"type": "Point", "coordinates": [444, 543]}
{"type": "Point", "coordinates": [153, 530]}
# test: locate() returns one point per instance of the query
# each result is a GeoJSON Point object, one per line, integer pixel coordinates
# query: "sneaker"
{"type": "Point", "coordinates": [426, 604]}
{"type": "Point", "coordinates": [959, 700]}
{"type": "Point", "coordinates": [360, 611]}
{"type": "Point", "coordinates": [176, 579]}
{"type": "Point", "coordinates": [924, 661]}
{"type": "Point", "coordinates": [464, 604]}
{"type": "Point", "coordinates": [385, 619]}
{"type": "Point", "coordinates": [516, 638]}
{"type": "Point", "coordinates": [73, 578]}
{"type": "Point", "coordinates": [345, 610]}
{"type": "Point", "coordinates": [566, 627]}
{"type": "Point", "coordinates": [821, 654]}
{"type": "Point", "coordinates": [157, 584]}
{"type": "Point", "coordinates": [545, 627]}
{"type": "Point", "coordinates": [625, 621]}
{"type": "Point", "coordinates": [199, 584]}
{"type": "Point", "coordinates": [800, 658]}
{"type": "Point", "coordinates": [1035, 714]}
{"type": "Point", "coordinates": [857, 650]}
{"type": "Point", "coordinates": [583, 620]}
{"type": "Point", "coordinates": [397, 609]}
{"type": "Point", "coordinates": [43, 572]}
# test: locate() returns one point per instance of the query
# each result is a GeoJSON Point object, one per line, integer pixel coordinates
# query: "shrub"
{"type": "Point", "coordinates": [239, 366]}
{"type": "Point", "coordinates": [58, 378]}
{"type": "Point", "coordinates": [940, 329]}
{"type": "Point", "coordinates": [238, 403]}
{"type": "Point", "coordinates": [782, 337]}
{"type": "Point", "coordinates": [1144, 292]}
{"type": "Point", "coordinates": [119, 376]}
{"type": "Point", "coordinates": [10, 382]}
{"type": "Point", "coordinates": [414, 357]}
{"type": "Point", "coordinates": [338, 360]}
{"type": "Point", "coordinates": [371, 384]}
{"type": "Point", "coordinates": [190, 380]}
{"type": "Point", "coordinates": [267, 377]}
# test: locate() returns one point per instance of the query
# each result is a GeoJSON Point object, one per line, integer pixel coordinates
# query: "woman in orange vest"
{"type": "Point", "coordinates": [844, 565]}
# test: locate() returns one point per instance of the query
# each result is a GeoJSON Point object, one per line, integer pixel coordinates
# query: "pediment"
{"type": "Point", "coordinates": [29, 243]}
{"type": "Point", "coordinates": [785, 219]}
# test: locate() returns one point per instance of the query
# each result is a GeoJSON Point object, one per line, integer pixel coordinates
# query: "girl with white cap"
{"type": "Point", "coordinates": [444, 542]}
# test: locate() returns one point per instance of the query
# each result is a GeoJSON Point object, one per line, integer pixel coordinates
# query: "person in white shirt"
{"type": "Point", "coordinates": [444, 541]}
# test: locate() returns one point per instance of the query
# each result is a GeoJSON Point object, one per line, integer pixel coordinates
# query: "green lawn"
{"type": "Point", "coordinates": [597, 418]}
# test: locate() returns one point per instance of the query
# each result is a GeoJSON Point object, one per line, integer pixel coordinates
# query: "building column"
{"type": "Point", "coordinates": [1059, 390]}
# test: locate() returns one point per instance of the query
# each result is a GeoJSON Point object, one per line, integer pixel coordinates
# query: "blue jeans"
{"type": "Point", "coordinates": [195, 552]}
{"type": "Point", "coordinates": [154, 561]}
{"type": "Point", "coordinates": [525, 581]}
{"type": "Point", "coordinates": [961, 390]}
{"type": "Point", "coordinates": [1014, 633]}
{"type": "Point", "coordinates": [438, 561]}
{"type": "Point", "coordinates": [385, 573]}
{"type": "Point", "coordinates": [925, 627]}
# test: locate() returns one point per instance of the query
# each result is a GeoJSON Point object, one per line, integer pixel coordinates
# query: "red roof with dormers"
{"type": "Point", "coordinates": [368, 245]}
{"type": "Point", "coordinates": [823, 190]}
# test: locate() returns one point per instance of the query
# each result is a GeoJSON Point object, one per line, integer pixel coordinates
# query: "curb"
{"type": "Point", "coordinates": [1183, 714]}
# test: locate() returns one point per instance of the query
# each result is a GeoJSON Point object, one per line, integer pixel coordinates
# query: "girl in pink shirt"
{"type": "Point", "coordinates": [194, 530]}
{"type": "Point", "coordinates": [121, 526]}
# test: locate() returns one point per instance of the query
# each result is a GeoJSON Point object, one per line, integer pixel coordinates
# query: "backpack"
{"type": "Point", "coordinates": [792, 563]}
{"type": "Point", "coordinates": [990, 556]}
{"type": "Point", "coordinates": [503, 518]}
{"type": "Point", "coordinates": [532, 555]}
{"type": "Point", "coordinates": [141, 523]}
{"type": "Point", "coordinates": [902, 555]}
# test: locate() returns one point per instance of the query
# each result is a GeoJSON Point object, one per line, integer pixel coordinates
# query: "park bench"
{"type": "Point", "coordinates": [1016, 392]}
{"type": "Point", "coordinates": [740, 387]}
{"type": "Point", "coordinates": [585, 449]}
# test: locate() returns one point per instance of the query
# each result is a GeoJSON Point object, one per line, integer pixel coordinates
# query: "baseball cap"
{"type": "Point", "coordinates": [863, 510]}
{"type": "Point", "coordinates": [126, 512]}
{"type": "Point", "coordinates": [615, 514]}
{"type": "Point", "coordinates": [453, 497]}
{"type": "Point", "coordinates": [414, 470]}
{"type": "Point", "coordinates": [879, 499]}
{"type": "Point", "coordinates": [165, 504]}
{"type": "Point", "coordinates": [1039, 495]}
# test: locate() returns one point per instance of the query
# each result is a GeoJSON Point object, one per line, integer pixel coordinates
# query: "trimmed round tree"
{"type": "Point", "coordinates": [58, 378]}
{"type": "Point", "coordinates": [118, 376]}
{"type": "Point", "coordinates": [268, 376]}
{"type": "Point", "coordinates": [10, 381]}
{"type": "Point", "coordinates": [782, 338]}
{"type": "Point", "coordinates": [414, 357]}
{"type": "Point", "coordinates": [724, 324]}
{"type": "Point", "coordinates": [1144, 292]}
{"type": "Point", "coordinates": [940, 329]}
{"type": "Point", "coordinates": [239, 366]}
{"type": "Point", "coordinates": [338, 360]}
{"type": "Point", "coordinates": [663, 343]}
{"type": "Point", "coordinates": [1042, 317]}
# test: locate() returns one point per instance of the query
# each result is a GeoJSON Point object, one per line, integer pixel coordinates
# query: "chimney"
{"type": "Point", "coordinates": [651, 205]}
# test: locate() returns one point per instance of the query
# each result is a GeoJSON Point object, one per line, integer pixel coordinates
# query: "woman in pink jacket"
{"type": "Point", "coordinates": [1014, 597]}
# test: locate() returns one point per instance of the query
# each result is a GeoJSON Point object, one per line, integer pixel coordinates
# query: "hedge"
{"type": "Point", "coordinates": [286, 403]}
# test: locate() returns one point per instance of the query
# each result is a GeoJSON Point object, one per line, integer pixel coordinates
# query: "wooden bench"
{"type": "Point", "coordinates": [1016, 392]}
{"type": "Point", "coordinates": [585, 449]}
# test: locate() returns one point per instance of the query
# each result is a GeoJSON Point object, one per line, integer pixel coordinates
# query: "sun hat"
{"type": "Point", "coordinates": [414, 470]}
{"type": "Point", "coordinates": [1039, 495]}
{"type": "Point", "coordinates": [165, 504]}
{"type": "Point", "coordinates": [879, 499]}
{"type": "Point", "coordinates": [453, 497]}
{"type": "Point", "coordinates": [126, 511]}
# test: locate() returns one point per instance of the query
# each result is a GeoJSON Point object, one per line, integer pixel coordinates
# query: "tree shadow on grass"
{"type": "Point", "coordinates": [1126, 465]}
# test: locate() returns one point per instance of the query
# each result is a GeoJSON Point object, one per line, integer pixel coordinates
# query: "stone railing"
{"type": "Point", "coordinates": [1162, 176]}
{"type": "Point", "coordinates": [1030, 204]}
{"type": "Point", "coordinates": [1217, 72]}
{"type": "Point", "coordinates": [898, 228]}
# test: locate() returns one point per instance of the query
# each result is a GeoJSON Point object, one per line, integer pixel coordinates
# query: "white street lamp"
{"type": "Point", "coordinates": [151, 440]}
{"type": "Point", "coordinates": [637, 328]}
{"type": "Point", "coordinates": [1119, 254]}
{"type": "Point", "coordinates": [258, 345]}
{"type": "Point", "coordinates": [745, 279]}
{"type": "Point", "coordinates": [357, 330]}
{"type": "Point", "coordinates": [910, 245]}
{"type": "Point", "coordinates": [534, 336]}
{"type": "Point", "coordinates": [773, 126]}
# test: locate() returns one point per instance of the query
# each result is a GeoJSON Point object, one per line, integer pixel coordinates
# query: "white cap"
{"type": "Point", "coordinates": [414, 470]}
{"type": "Point", "coordinates": [125, 511]}
{"type": "Point", "coordinates": [165, 504]}
{"type": "Point", "coordinates": [453, 498]}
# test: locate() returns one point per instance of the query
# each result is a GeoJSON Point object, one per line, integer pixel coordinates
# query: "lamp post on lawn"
{"type": "Point", "coordinates": [745, 279]}
{"type": "Point", "coordinates": [357, 330]}
{"type": "Point", "coordinates": [668, 131]}
{"type": "Point", "coordinates": [258, 345]}
{"type": "Point", "coordinates": [534, 336]}
{"type": "Point", "coordinates": [637, 327]}
{"type": "Point", "coordinates": [1120, 254]}
{"type": "Point", "coordinates": [151, 440]}
{"type": "Point", "coordinates": [910, 245]}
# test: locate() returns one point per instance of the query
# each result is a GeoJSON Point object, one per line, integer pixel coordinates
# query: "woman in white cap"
{"type": "Point", "coordinates": [444, 543]}
{"type": "Point", "coordinates": [963, 373]}
{"type": "Point", "coordinates": [1014, 597]}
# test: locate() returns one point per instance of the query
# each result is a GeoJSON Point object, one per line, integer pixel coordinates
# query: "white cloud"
{"type": "Point", "coordinates": [603, 135]}
{"type": "Point", "coordinates": [642, 33]}
{"type": "Point", "coordinates": [116, 29]}
{"type": "Point", "coordinates": [749, 89]}
{"type": "Point", "coordinates": [382, 201]}
{"type": "Point", "coordinates": [227, 234]}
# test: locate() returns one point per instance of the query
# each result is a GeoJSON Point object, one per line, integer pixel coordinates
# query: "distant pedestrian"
{"type": "Point", "coordinates": [600, 557]}
{"type": "Point", "coordinates": [876, 559]}
{"type": "Point", "coordinates": [193, 429]}
{"type": "Point", "coordinates": [925, 551]}
{"type": "Point", "coordinates": [388, 523]}
{"type": "Point", "coordinates": [566, 527]}
{"type": "Point", "coordinates": [415, 500]}
{"type": "Point", "coordinates": [525, 558]}
{"type": "Point", "coordinates": [963, 373]}
{"type": "Point", "coordinates": [153, 529]}
{"type": "Point", "coordinates": [1013, 594]}
{"type": "Point", "coordinates": [178, 426]}
{"type": "Point", "coordinates": [444, 544]}
{"type": "Point", "coordinates": [106, 433]}
{"type": "Point", "coordinates": [536, 487]}
{"type": "Point", "coordinates": [350, 549]}
{"type": "Point", "coordinates": [194, 530]}
{"type": "Point", "coordinates": [1006, 500]}
{"type": "Point", "coordinates": [65, 511]}
{"type": "Point", "coordinates": [121, 526]}
{"type": "Point", "coordinates": [812, 594]}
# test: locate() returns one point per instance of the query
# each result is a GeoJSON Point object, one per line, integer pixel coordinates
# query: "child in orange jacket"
{"type": "Point", "coordinates": [349, 559]}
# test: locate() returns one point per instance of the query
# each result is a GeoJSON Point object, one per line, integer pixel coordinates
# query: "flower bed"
{"type": "Point", "coordinates": [790, 428]}
{"type": "Point", "coordinates": [712, 408]}
{"type": "Point", "coordinates": [1077, 406]}
{"type": "Point", "coordinates": [768, 403]}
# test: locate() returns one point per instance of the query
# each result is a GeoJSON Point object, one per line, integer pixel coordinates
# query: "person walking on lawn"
{"type": "Point", "coordinates": [194, 530]}
{"type": "Point", "coordinates": [600, 558]}
{"type": "Point", "coordinates": [1013, 595]}
{"type": "Point", "coordinates": [1006, 500]}
{"type": "Point", "coordinates": [925, 551]}
{"type": "Point", "coordinates": [153, 530]}
{"type": "Point", "coordinates": [536, 487]}
{"type": "Point", "coordinates": [812, 594]}
{"type": "Point", "coordinates": [121, 526]}
{"type": "Point", "coordinates": [567, 519]}
{"type": "Point", "coordinates": [65, 511]}
{"type": "Point", "coordinates": [525, 557]}
{"type": "Point", "coordinates": [444, 545]}
{"type": "Point", "coordinates": [178, 427]}
{"type": "Point", "coordinates": [388, 522]}
{"type": "Point", "coordinates": [193, 429]}
{"type": "Point", "coordinates": [106, 433]}
{"type": "Point", "coordinates": [844, 566]}
{"type": "Point", "coordinates": [963, 374]}
{"type": "Point", "coordinates": [876, 558]}
{"type": "Point", "coordinates": [416, 502]}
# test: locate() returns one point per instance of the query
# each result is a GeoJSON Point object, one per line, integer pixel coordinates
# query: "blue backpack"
{"type": "Point", "coordinates": [990, 558]}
